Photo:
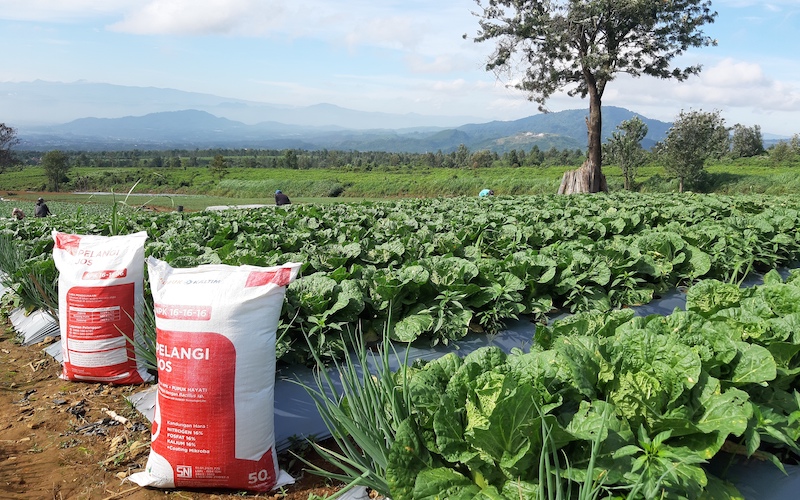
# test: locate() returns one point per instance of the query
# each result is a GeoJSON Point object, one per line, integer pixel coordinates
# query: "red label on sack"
{"type": "Point", "coordinates": [99, 330]}
{"type": "Point", "coordinates": [280, 277]}
{"type": "Point", "coordinates": [184, 312]}
{"type": "Point", "coordinates": [197, 430]}
{"type": "Point", "coordinates": [68, 242]}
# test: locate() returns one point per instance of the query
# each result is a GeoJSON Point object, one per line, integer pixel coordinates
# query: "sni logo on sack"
{"type": "Point", "coordinates": [184, 471]}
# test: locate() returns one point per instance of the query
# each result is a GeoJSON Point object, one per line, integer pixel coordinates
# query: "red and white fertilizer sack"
{"type": "Point", "coordinates": [100, 297]}
{"type": "Point", "coordinates": [214, 416]}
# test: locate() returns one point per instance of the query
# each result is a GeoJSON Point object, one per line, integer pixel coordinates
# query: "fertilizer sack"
{"type": "Point", "coordinates": [100, 298]}
{"type": "Point", "coordinates": [213, 425]}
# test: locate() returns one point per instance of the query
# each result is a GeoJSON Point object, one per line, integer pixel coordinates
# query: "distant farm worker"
{"type": "Point", "coordinates": [281, 199]}
{"type": "Point", "coordinates": [41, 209]}
{"type": "Point", "coordinates": [486, 192]}
{"type": "Point", "coordinates": [18, 214]}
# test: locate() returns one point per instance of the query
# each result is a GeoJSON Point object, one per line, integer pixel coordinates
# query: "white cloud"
{"type": "Point", "coordinates": [454, 85]}
{"type": "Point", "coordinates": [61, 10]}
{"type": "Point", "coordinates": [386, 24]}
{"type": "Point", "coordinates": [741, 84]}
{"type": "Point", "coordinates": [729, 83]}
{"type": "Point", "coordinates": [185, 17]}
{"type": "Point", "coordinates": [742, 91]}
{"type": "Point", "coordinates": [351, 22]}
{"type": "Point", "coordinates": [443, 63]}
{"type": "Point", "coordinates": [394, 32]}
{"type": "Point", "coordinates": [737, 74]}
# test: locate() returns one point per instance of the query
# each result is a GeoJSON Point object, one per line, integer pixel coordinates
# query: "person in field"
{"type": "Point", "coordinates": [41, 209]}
{"type": "Point", "coordinates": [486, 192]}
{"type": "Point", "coordinates": [281, 198]}
{"type": "Point", "coordinates": [17, 214]}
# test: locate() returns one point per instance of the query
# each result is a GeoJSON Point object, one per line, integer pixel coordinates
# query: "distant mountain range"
{"type": "Point", "coordinates": [54, 115]}
{"type": "Point", "coordinates": [190, 129]}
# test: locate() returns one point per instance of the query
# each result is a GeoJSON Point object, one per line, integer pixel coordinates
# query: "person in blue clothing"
{"type": "Point", "coordinates": [486, 192]}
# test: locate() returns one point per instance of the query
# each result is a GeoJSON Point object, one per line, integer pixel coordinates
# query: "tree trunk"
{"type": "Point", "coordinates": [594, 129]}
{"type": "Point", "coordinates": [586, 179]}
{"type": "Point", "coordinates": [589, 177]}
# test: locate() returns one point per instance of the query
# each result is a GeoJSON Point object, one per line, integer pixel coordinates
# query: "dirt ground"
{"type": "Point", "coordinates": [59, 441]}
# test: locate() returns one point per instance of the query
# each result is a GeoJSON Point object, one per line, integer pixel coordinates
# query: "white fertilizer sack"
{"type": "Point", "coordinates": [214, 416]}
{"type": "Point", "coordinates": [100, 296]}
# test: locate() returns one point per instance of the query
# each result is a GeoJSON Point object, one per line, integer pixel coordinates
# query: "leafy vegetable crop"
{"type": "Point", "coordinates": [636, 404]}
{"type": "Point", "coordinates": [444, 267]}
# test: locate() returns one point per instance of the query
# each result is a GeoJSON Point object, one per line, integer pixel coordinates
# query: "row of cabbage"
{"type": "Point", "coordinates": [434, 269]}
{"type": "Point", "coordinates": [633, 407]}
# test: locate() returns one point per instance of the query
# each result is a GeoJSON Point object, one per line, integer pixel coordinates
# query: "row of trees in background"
{"type": "Point", "coordinates": [462, 157]}
{"type": "Point", "coordinates": [694, 138]}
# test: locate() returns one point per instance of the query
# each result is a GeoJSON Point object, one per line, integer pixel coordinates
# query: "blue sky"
{"type": "Point", "coordinates": [378, 55]}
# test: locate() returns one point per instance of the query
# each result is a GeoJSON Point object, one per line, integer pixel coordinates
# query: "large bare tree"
{"type": "Point", "coordinates": [580, 45]}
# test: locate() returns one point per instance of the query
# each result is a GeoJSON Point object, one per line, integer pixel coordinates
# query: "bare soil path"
{"type": "Point", "coordinates": [59, 439]}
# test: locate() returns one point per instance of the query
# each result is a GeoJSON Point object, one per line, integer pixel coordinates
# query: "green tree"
{"type": "Point", "coordinates": [782, 152]}
{"type": "Point", "coordinates": [481, 159]}
{"type": "Point", "coordinates": [290, 159]}
{"type": "Point", "coordinates": [82, 160]}
{"type": "Point", "coordinates": [581, 45]}
{"type": "Point", "coordinates": [535, 156]}
{"type": "Point", "coordinates": [462, 156]}
{"type": "Point", "coordinates": [625, 148]}
{"type": "Point", "coordinates": [56, 166]}
{"type": "Point", "coordinates": [694, 137]}
{"type": "Point", "coordinates": [219, 166]}
{"type": "Point", "coordinates": [747, 141]}
{"type": "Point", "coordinates": [429, 159]}
{"type": "Point", "coordinates": [512, 158]}
{"type": "Point", "coordinates": [8, 139]}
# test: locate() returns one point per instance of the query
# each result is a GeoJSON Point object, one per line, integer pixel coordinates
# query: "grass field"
{"type": "Point", "coordinates": [197, 188]}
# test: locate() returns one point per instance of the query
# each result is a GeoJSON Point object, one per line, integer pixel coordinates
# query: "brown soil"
{"type": "Point", "coordinates": [57, 440]}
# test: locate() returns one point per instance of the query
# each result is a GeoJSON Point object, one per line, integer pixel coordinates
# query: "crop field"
{"type": "Point", "coordinates": [613, 402]}
{"type": "Point", "coordinates": [440, 268]}
{"type": "Point", "coordinates": [632, 405]}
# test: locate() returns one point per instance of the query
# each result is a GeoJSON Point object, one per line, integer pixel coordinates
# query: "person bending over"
{"type": "Point", "coordinates": [281, 198]}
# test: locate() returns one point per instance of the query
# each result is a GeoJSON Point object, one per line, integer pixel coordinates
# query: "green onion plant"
{"type": "Point", "coordinates": [362, 414]}
{"type": "Point", "coordinates": [33, 279]}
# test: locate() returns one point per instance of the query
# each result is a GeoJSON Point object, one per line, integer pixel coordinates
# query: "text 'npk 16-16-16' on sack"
{"type": "Point", "coordinates": [100, 296]}
{"type": "Point", "coordinates": [215, 335]}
